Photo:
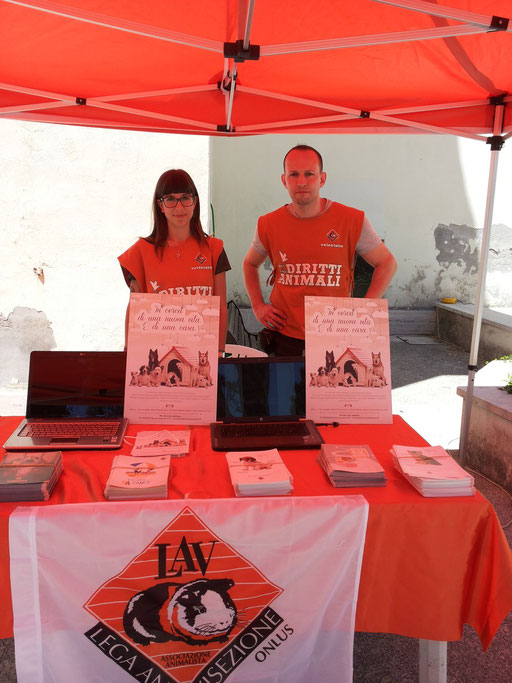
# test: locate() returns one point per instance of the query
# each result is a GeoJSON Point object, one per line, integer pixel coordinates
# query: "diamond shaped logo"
{"type": "Point", "coordinates": [332, 235]}
{"type": "Point", "coordinates": [186, 602]}
{"type": "Point", "coordinates": [200, 258]}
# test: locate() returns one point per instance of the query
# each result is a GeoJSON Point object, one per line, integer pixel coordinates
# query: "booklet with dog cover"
{"type": "Point", "coordinates": [172, 354]}
{"type": "Point", "coordinates": [348, 361]}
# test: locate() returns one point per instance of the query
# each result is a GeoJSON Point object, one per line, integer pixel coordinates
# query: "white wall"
{"type": "Point", "coordinates": [71, 200]}
{"type": "Point", "coordinates": [409, 186]}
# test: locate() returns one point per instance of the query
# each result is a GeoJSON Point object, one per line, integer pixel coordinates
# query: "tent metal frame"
{"type": "Point", "coordinates": [469, 24]}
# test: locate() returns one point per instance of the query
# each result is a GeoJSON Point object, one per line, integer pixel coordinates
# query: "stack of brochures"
{"type": "Point", "coordinates": [432, 471]}
{"type": "Point", "coordinates": [164, 442]}
{"type": "Point", "coordinates": [138, 478]}
{"type": "Point", "coordinates": [259, 473]}
{"type": "Point", "coordinates": [29, 475]}
{"type": "Point", "coordinates": [350, 466]}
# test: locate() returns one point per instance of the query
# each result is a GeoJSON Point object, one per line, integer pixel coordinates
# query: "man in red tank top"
{"type": "Point", "coordinates": [312, 244]}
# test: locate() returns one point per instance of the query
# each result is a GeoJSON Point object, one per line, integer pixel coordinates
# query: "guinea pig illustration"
{"type": "Point", "coordinates": [197, 613]}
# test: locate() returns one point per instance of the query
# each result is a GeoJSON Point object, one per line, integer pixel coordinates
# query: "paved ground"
{"type": "Point", "coordinates": [424, 376]}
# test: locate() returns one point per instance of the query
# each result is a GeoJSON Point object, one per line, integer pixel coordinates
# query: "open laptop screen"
{"type": "Point", "coordinates": [81, 384]}
{"type": "Point", "coordinates": [258, 389]}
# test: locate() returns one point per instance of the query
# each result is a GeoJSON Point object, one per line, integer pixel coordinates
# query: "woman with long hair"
{"type": "Point", "coordinates": [178, 257]}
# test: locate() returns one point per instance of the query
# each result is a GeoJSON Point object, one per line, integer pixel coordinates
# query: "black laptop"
{"type": "Point", "coordinates": [261, 403]}
{"type": "Point", "coordinates": [75, 400]}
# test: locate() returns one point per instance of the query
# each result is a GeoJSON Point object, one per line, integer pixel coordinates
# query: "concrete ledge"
{"type": "Point", "coordinates": [401, 321]}
{"type": "Point", "coordinates": [455, 326]}
{"type": "Point", "coordinates": [490, 432]}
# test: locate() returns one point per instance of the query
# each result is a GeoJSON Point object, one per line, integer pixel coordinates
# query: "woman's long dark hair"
{"type": "Point", "coordinates": [175, 181]}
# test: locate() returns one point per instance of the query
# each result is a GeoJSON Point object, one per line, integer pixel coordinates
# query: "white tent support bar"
{"type": "Point", "coordinates": [248, 23]}
{"type": "Point", "coordinates": [297, 100]}
{"type": "Point", "coordinates": [67, 100]}
{"type": "Point", "coordinates": [480, 290]}
{"type": "Point", "coordinates": [117, 24]}
{"type": "Point", "coordinates": [375, 115]}
{"type": "Point", "coordinates": [38, 93]}
{"type": "Point", "coordinates": [275, 125]}
{"type": "Point", "coordinates": [440, 11]}
{"type": "Point", "coordinates": [425, 126]}
{"type": "Point", "coordinates": [34, 107]}
{"type": "Point", "coordinates": [508, 135]}
{"type": "Point", "coordinates": [104, 123]}
{"type": "Point", "coordinates": [377, 39]}
{"type": "Point", "coordinates": [410, 125]}
{"type": "Point", "coordinates": [231, 97]}
{"type": "Point", "coordinates": [157, 93]}
{"type": "Point", "coordinates": [435, 107]}
{"type": "Point", "coordinates": [150, 114]}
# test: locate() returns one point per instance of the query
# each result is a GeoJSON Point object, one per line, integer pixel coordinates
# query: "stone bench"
{"type": "Point", "coordinates": [489, 445]}
{"type": "Point", "coordinates": [455, 326]}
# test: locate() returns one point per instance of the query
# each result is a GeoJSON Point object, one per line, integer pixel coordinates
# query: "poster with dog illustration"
{"type": "Point", "coordinates": [171, 364]}
{"type": "Point", "coordinates": [348, 364]}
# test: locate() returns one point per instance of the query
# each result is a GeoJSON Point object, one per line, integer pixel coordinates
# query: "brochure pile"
{"type": "Point", "coordinates": [29, 475]}
{"type": "Point", "coordinates": [349, 466]}
{"type": "Point", "coordinates": [259, 473]}
{"type": "Point", "coordinates": [432, 471]}
{"type": "Point", "coordinates": [134, 478]}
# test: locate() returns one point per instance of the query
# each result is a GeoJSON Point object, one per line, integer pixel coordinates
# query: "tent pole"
{"type": "Point", "coordinates": [496, 144]}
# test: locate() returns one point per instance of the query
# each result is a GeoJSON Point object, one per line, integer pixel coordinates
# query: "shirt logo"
{"type": "Point", "coordinates": [200, 258]}
{"type": "Point", "coordinates": [332, 235]}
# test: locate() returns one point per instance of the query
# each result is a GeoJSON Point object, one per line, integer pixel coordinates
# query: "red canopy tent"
{"type": "Point", "coordinates": [243, 67]}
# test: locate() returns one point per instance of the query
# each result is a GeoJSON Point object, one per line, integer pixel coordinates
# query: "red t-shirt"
{"type": "Point", "coordinates": [311, 256]}
{"type": "Point", "coordinates": [189, 268]}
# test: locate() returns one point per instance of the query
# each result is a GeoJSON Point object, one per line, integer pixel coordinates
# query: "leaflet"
{"type": "Point", "coordinates": [163, 442]}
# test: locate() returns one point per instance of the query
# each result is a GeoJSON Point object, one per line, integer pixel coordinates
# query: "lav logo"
{"type": "Point", "coordinates": [188, 608]}
{"type": "Point", "coordinates": [332, 235]}
{"type": "Point", "coordinates": [200, 258]}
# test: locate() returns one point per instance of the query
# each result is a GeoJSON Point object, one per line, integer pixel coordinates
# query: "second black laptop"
{"type": "Point", "coordinates": [261, 403]}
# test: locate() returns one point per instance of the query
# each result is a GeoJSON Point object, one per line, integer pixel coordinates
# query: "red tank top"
{"type": "Point", "coordinates": [310, 256]}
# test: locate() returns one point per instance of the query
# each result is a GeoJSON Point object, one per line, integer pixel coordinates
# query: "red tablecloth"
{"type": "Point", "coordinates": [429, 565]}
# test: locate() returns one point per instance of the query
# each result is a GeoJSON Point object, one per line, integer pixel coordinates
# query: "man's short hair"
{"type": "Point", "coordinates": [304, 148]}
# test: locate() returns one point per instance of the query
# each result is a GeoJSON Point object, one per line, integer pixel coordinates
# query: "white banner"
{"type": "Point", "coordinates": [203, 590]}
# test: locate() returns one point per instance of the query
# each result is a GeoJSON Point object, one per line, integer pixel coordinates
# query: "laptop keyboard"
{"type": "Point", "coordinates": [71, 429]}
{"type": "Point", "coordinates": [265, 429]}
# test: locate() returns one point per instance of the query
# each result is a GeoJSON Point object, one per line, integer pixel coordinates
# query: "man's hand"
{"type": "Point", "coordinates": [270, 316]}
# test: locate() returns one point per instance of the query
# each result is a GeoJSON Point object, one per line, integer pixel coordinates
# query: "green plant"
{"type": "Point", "coordinates": [508, 385]}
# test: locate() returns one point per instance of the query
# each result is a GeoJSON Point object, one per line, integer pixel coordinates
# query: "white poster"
{"type": "Point", "coordinates": [171, 365]}
{"type": "Point", "coordinates": [181, 591]}
{"type": "Point", "coordinates": [348, 362]}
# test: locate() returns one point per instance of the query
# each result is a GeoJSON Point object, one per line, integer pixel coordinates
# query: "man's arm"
{"type": "Point", "coordinates": [267, 314]}
{"type": "Point", "coordinates": [385, 267]}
